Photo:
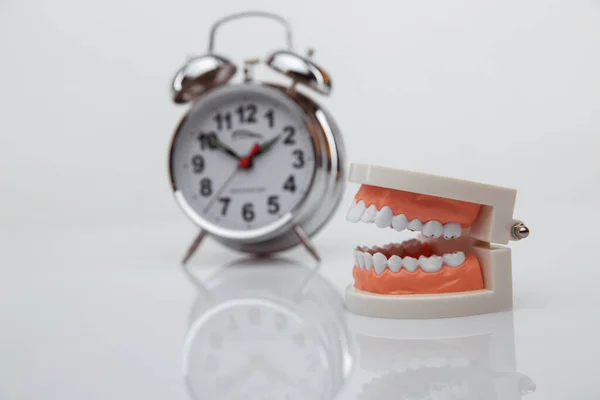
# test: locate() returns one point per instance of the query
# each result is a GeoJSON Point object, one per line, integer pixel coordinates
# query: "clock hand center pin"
{"type": "Point", "coordinates": [246, 162]}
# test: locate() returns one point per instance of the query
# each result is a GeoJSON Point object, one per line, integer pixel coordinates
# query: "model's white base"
{"type": "Point", "coordinates": [497, 295]}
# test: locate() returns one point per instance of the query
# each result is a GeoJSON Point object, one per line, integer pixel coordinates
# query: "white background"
{"type": "Point", "coordinates": [91, 301]}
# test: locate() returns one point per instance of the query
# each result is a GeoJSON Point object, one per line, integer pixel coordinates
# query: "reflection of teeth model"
{"type": "Point", "coordinates": [467, 273]}
{"type": "Point", "coordinates": [459, 358]}
{"type": "Point", "coordinates": [434, 362]}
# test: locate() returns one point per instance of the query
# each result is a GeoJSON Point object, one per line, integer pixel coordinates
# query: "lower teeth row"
{"type": "Point", "coordinates": [379, 262]}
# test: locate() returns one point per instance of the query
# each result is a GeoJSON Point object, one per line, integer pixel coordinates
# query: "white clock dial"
{"type": "Point", "coordinates": [243, 159]}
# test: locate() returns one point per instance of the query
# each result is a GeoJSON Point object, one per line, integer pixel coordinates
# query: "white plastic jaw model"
{"type": "Point", "coordinates": [458, 266]}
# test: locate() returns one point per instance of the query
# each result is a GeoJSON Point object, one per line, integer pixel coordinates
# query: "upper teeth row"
{"type": "Point", "coordinates": [384, 218]}
{"type": "Point", "coordinates": [379, 262]}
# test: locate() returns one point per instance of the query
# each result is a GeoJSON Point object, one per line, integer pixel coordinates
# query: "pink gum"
{"type": "Point", "coordinates": [465, 277]}
{"type": "Point", "coordinates": [421, 206]}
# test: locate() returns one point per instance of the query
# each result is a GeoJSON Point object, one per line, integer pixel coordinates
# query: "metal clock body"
{"type": "Point", "coordinates": [258, 166]}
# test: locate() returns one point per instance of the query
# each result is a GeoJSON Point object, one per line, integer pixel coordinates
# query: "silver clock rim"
{"type": "Point", "coordinates": [268, 231]}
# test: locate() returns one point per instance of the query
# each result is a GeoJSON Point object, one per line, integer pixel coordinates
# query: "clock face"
{"type": "Point", "coordinates": [243, 158]}
{"type": "Point", "coordinates": [254, 349]}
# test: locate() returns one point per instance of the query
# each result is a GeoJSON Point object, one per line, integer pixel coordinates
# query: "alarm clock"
{"type": "Point", "coordinates": [270, 329]}
{"type": "Point", "coordinates": [258, 166]}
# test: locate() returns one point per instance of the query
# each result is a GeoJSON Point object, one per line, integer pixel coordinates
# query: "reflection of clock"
{"type": "Point", "coordinates": [455, 358]}
{"type": "Point", "coordinates": [275, 332]}
{"type": "Point", "coordinates": [245, 347]}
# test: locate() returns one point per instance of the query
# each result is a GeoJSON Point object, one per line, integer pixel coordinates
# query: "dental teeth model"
{"type": "Point", "coordinates": [458, 266]}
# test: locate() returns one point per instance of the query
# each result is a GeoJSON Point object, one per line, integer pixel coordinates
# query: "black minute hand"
{"type": "Point", "coordinates": [268, 144]}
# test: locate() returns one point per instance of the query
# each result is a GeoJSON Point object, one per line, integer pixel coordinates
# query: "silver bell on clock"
{"type": "Point", "coordinates": [259, 166]}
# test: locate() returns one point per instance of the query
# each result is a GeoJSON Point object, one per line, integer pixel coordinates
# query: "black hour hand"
{"type": "Point", "coordinates": [215, 143]}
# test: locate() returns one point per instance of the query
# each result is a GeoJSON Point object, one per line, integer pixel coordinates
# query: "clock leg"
{"type": "Point", "coordinates": [204, 293]}
{"type": "Point", "coordinates": [193, 247]}
{"type": "Point", "coordinates": [306, 242]}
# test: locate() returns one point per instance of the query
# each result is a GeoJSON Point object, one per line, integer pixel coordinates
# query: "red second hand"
{"type": "Point", "coordinates": [246, 162]}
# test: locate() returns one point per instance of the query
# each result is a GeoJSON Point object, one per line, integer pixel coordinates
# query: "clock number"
{"type": "Point", "coordinates": [271, 117]}
{"type": "Point", "coordinates": [290, 184]}
{"type": "Point", "coordinates": [280, 321]}
{"type": "Point", "coordinates": [299, 340]}
{"type": "Point", "coordinates": [251, 113]}
{"type": "Point", "coordinates": [208, 140]}
{"type": "Point", "coordinates": [290, 132]}
{"type": "Point", "coordinates": [223, 121]}
{"type": "Point", "coordinates": [248, 212]}
{"type": "Point", "coordinates": [233, 326]}
{"type": "Point", "coordinates": [312, 362]}
{"type": "Point", "coordinates": [247, 113]}
{"type": "Point", "coordinates": [299, 163]}
{"type": "Point", "coordinates": [225, 201]}
{"type": "Point", "coordinates": [254, 315]}
{"type": "Point", "coordinates": [198, 163]}
{"type": "Point", "coordinates": [273, 203]}
{"type": "Point", "coordinates": [205, 187]}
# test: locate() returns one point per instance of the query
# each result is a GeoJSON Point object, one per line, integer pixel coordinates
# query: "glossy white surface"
{"type": "Point", "coordinates": [92, 302]}
{"type": "Point", "coordinates": [111, 320]}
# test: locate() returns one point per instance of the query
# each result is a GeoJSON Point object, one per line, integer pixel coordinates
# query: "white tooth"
{"type": "Point", "coordinates": [454, 259]}
{"type": "Point", "coordinates": [355, 258]}
{"type": "Point", "coordinates": [379, 261]}
{"type": "Point", "coordinates": [410, 264]}
{"type": "Point", "coordinates": [433, 229]}
{"type": "Point", "coordinates": [356, 211]}
{"type": "Point", "coordinates": [395, 263]}
{"type": "Point", "coordinates": [438, 362]}
{"type": "Point", "coordinates": [415, 225]}
{"type": "Point", "coordinates": [384, 217]}
{"type": "Point", "coordinates": [459, 362]}
{"type": "Point", "coordinates": [399, 222]}
{"type": "Point", "coordinates": [369, 214]}
{"type": "Point", "coordinates": [351, 212]}
{"type": "Point", "coordinates": [414, 364]}
{"type": "Point", "coordinates": [459, 390]}
{"type": "Point", "coordinates": [361, 259]}
{"type": "Point", "coordinates": [368, 260]}
{"type": "Point", "coordinates": [431, 264]}
{"type": "Point", "coordinates": [452, 230]}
